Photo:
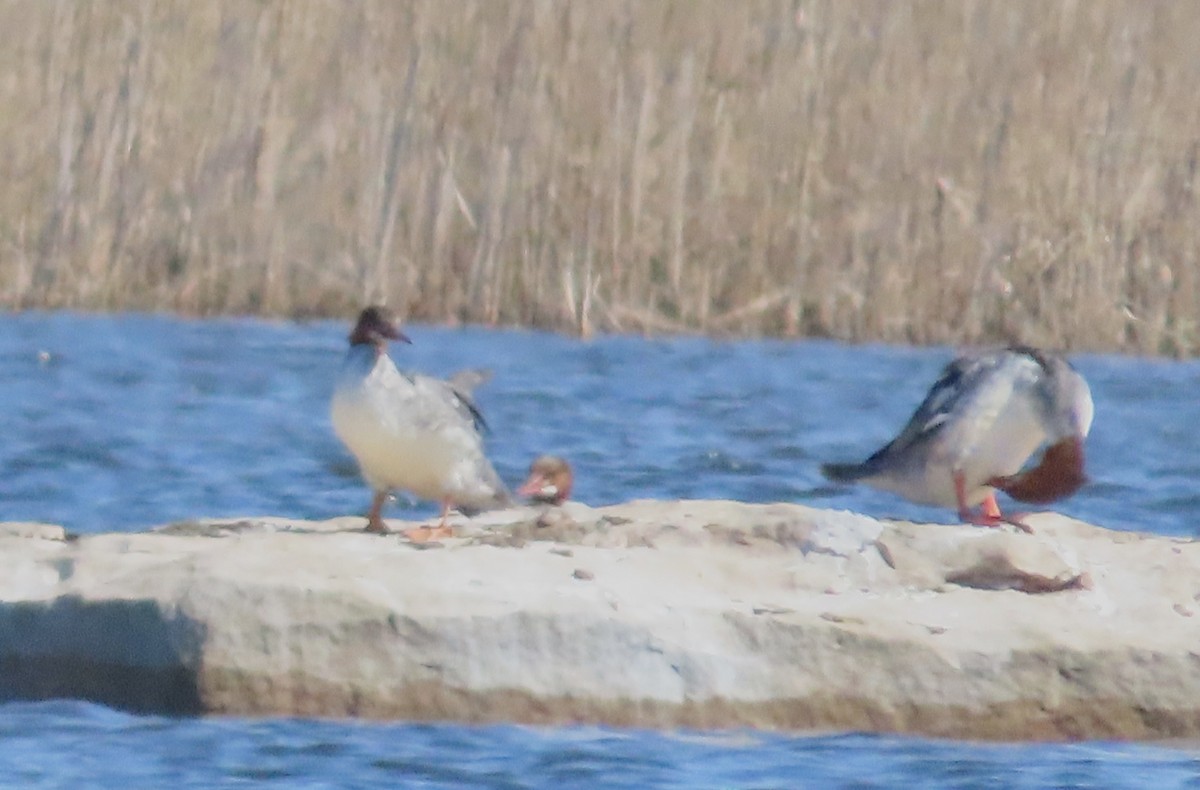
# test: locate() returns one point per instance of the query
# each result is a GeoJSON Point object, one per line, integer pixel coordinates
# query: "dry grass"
{"type": "Point", "coordinates": [920, 171]}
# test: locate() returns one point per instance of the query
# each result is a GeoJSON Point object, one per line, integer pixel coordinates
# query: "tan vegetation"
{"type": "Point", "coordinates": [915, 171]}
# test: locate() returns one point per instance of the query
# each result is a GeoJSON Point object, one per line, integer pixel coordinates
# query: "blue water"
{"type": "Point", "coordinates": [124, 423]}
{"type": "Point", "coordinates": [129, 422]}
{"type": "Point", "coordinates": [69, 744]}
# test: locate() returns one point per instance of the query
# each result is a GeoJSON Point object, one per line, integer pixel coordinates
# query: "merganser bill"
{"type": "Point", "coordinates": [411, 432]}
{"type": "Point", "coordinates": [549, 482]}
{"type": "Point", "coordinates": [985, 416]}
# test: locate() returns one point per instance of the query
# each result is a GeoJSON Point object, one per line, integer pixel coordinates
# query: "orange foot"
{"type": "Point", "coordinates": [984, 519]}
{"type": "Point", "coordinates": [427, 534]}
{"type": "Point", "coordinates": [989, 512]}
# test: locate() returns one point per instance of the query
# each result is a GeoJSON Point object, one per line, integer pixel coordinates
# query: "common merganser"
{"type": "Point", "coordinates": [549, 482]}
{"type": "Point", "coordinates": [983, 419]}
{"type": "Point", "coordinates": [411, 432]}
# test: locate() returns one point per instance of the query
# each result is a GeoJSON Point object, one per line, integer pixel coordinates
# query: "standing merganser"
{"type": "Point", "coordinates": [985, 416]}
{"type": "Point", "coordinates": [549, 482]}
{"type": "Point", "coordinates": [411, 432]}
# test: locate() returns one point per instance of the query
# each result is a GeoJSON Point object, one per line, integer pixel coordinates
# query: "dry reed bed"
{"type": "Point", "coordinates": [953, 172]}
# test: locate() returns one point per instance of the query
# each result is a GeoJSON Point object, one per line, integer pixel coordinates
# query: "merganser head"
{"type": "Point", "coordinates": [1059, 474]}
{"type": "Point", "coordinates": [550, 480]}
{"type": "Point", "coordinates": [1068, 412]}
{"type": "Point", "coordinates": [376, 326]}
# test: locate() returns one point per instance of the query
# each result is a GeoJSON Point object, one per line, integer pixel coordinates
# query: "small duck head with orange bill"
{"type": "Point", "coordinates": [549, 482]}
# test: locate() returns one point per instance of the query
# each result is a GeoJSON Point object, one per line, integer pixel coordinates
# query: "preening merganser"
{"type": "Point", "coordinates": [411, 432]}
{"type": "Point", "coordinates": [549, 482]}
{"type": "Point", "coordinates": [985, 416]}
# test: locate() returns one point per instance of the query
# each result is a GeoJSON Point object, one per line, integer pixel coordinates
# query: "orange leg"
{"type": "Point", "coordinates": [989, 511]}
{"type": "Point", "coordinates": [375, 514]}
{"type": "Point", "coordinates": [989, 507]}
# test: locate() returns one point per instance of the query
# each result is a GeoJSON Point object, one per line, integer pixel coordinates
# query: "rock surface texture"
{"type": "Point", "coordinates": [649, 614]}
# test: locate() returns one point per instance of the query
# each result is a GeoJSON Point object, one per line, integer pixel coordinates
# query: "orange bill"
{"type": "Point", "coordinates": [533, 485]}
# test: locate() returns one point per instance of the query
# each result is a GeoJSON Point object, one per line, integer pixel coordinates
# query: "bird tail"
{"type": "Point", "coordinates": [492, 495]}
{"type": "Point", "coordinates": [845, 473]}
{"type": "Point", "coordinates": [499, 500]}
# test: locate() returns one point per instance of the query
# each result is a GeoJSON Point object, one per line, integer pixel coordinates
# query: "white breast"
{"type": "Point", "coordinates": [407, 433]}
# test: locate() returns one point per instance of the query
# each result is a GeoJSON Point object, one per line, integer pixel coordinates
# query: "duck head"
{"type": "Point", "coordinates": [1067, 402]}
{"type": "Point", "coordinates": [549, 482]}
{"type": "Point", "coordinates": [376, 325]}
{"type": "Point", "coordinates": [1058, 474]}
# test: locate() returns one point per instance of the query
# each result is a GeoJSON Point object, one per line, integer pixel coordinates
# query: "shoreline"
{"type": "Point", "coordinates": [344, 320]}
{"type": "Point", "coordinates": [698, 614]}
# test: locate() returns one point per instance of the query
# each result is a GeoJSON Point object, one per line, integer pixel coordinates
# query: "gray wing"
{"type": "Point", "coordinates": [456, 411]}
{"type": "Point", "coordinates": [462, 386]}
{"type": "Point", "coordinates": [958, 383]}
{"type": "Point", "coordinates": [454, 394]}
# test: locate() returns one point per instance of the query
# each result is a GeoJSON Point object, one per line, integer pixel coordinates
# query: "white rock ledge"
{"type": "Point", "coordinates": [650, 614]}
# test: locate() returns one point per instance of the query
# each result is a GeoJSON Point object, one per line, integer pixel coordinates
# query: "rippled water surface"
{"type": "Point", "coordinates": [124, 423]}
{"type": "Point", "coordinates": [128, 422]}
{"type": "Point", "coordinates": [67, 744]}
